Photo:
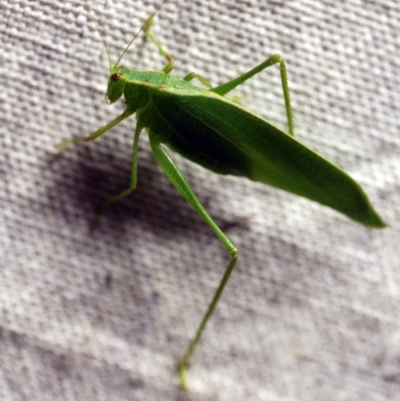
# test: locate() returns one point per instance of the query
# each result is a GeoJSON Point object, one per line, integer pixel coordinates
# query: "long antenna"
{"type": "Point", "coordinates": [89, 12]}
{"type": "Point", "coordinates": [140, 30]}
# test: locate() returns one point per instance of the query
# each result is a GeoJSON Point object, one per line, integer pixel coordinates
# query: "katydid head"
{"type": "Point", "coordinates": [116, 84]}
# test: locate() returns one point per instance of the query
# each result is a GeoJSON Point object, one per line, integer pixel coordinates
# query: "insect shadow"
{"type": "Point", "coordinates": [83, 185]}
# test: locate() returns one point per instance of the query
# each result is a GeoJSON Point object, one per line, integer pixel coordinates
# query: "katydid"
{"type": "Point", "coordinates": [222, 136]}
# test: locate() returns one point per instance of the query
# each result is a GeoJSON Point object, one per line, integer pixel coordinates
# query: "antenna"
{"type": "Point", "coordinates": [140, 30]}
{"type": "Point", "coordinates": [89, 12]}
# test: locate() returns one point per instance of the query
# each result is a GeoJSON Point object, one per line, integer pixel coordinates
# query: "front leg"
{"type": "Point", "coordinates": [169, 67]}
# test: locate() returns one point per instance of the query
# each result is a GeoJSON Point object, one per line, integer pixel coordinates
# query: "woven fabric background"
{"type": "Point", "coordinates": [312, 310]}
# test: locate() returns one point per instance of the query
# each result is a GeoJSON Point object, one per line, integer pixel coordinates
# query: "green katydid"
{"type": "Point", "coordinates": [224, 137]}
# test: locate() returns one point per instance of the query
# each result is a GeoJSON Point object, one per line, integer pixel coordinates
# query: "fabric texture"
{"type": "Point", "coordinates": [104, 313]}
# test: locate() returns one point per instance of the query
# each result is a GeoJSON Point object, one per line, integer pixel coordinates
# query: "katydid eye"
{"type": "Point", "coordinates": [115, 77]}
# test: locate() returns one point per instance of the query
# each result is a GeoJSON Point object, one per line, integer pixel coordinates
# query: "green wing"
{"type": "Point", "coordinates": [224, 137]}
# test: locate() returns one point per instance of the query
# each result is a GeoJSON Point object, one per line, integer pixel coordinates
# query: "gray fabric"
{"type": "Point", "coordinates": [312, 311]}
